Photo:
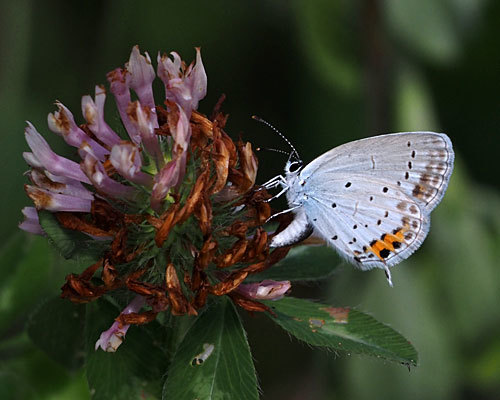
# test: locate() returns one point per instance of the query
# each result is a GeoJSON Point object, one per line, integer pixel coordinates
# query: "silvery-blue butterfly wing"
{"type": "Point", "coordinates": [371, 199]}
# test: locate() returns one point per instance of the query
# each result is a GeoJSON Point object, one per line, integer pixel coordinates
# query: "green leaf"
{"type": "Point", "coordinates": [144, 349]}
{"type": "Point", "coordinates": [69, 243]}
{"type": "Point", "coordinates": [57, 328]}
{"type": "Point", "coordinates": [341, 329]}
{"type": "Point", "coordinates": [303, 263]}
{"type": "Point", "coordinates": [214, 360]}
{"type": "Point", "coordinates": [139, 361]}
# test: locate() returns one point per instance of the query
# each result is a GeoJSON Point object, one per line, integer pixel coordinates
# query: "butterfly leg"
{"type": "Point", "coordinates": [273, 182]}
{"type": "Point", "coordinates": [277, 195]}
{"type": "Point", "coordinates": [271, 185]}
{"type": "Point", "coordinates": [283, 212]}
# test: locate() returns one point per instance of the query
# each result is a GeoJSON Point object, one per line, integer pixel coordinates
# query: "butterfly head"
{"type": "Point", "coordinates": [292, 167]}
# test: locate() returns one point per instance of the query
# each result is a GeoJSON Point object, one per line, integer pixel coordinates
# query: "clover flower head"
{"type": "Point", "coordinates": [167, 197]}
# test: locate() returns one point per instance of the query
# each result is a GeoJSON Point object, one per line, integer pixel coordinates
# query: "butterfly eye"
{"type": "Point", "coordinates": [294, 166]}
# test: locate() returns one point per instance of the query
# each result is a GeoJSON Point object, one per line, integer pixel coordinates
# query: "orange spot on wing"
{"type": "Point", "coordinates": [377, 247]}
{"type": "Point", "coordinates": [387, 242]}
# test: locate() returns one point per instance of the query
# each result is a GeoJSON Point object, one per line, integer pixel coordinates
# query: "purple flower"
{"type": "Point", "coordinates": [265, 290]}
{"type": "Point", "coordinates": [111, 339]}
{"type": "Point", "coordinates": [164, 232]}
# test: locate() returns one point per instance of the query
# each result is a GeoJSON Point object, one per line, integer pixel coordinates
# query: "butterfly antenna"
{"type": "Point", "coordinates": [275, 150]}
{"type": "Point", "coordinates": [279, 133]}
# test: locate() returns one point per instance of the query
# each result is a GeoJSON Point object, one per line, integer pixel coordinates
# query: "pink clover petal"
{"type": "Point", "coordinates": [31, 160]}
{"type": "Point", "coordinates": [164, 180]}
{"type": "Point", "coordinates": [140, 116]}
{"type": "Point", "coordinates": [47, 200]}
{"type": "Point", "coordinates": [31, 223]}
{"type": "Point", "coordinates": [30, 212]}
{"type": "Point", "coordinates": [198, 80]}
{"type": "Point", "coordinates": [170, 69]}
{"type": "Point", "coordinates": [55, 184]}
{"type": "Point", "coordinates": [31, 226]}
{"type": "Point", "coordinates": [76, 186]}
{"type": "Point", "coordinates": [45, 157]}
{"type": "Point", "coordinates": [265, 290]}
{"type": "Point", "coordinates": [112, 338]}
{"type": "Point", "coordinates": [181, 131]}
{"type": "Point", "coordinates": [63, 123]}
{"type": "Point", "coordinates": [142, 75]}
{"type": "Point", "coordinates": [100, 179]}
{"type": "Point", "coordinates": [93, 113]}
{"type": "Point", "coordinates": [119, 80]}
{"type": "Point", "coordinates": [126, 159]}
{"type": "Point", "coordinates": [173, 172]}
{"type": "Point", "coordinates": [185, 87]}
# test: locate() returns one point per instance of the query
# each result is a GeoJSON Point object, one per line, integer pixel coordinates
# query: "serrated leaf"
{"type": "Point", "coordinates": [69, 243]}
{"type": "Point", "coordinates": [341, 329]}
{"type": "Point", "coordinates": [136, 363]}
{"type": "Point", "coordinates": [213, 361]}
{"type": "Point", "coordinates": [57, 328]}
{"type": "Point", "coordinates": [303, 263]}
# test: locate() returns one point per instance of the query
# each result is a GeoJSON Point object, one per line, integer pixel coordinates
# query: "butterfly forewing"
{"type": "Point", "coordinates": [420, 163]}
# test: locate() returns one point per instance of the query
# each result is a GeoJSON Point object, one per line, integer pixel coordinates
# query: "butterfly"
{"type": "Point", "coordinates": [369, 199]}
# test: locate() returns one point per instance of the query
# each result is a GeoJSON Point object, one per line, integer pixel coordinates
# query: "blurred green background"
{"type": "Point", "coordinates": [324, 72]}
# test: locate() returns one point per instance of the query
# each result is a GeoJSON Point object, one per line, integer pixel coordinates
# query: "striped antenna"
{"type": "Point", "coordinates": [275, 150]}
{"type": "Point", "coordinates": [279, 133]}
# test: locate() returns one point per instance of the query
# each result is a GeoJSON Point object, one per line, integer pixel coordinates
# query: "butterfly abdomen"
{"type": "Point", "coordinates": [299, 229]}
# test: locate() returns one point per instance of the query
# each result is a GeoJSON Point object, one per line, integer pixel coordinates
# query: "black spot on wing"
{"type": "Point", "coordinates": [384, 253]}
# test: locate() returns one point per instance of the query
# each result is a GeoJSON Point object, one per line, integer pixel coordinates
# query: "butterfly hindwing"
{"type": "Point", "coordinates": [368, 227]}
